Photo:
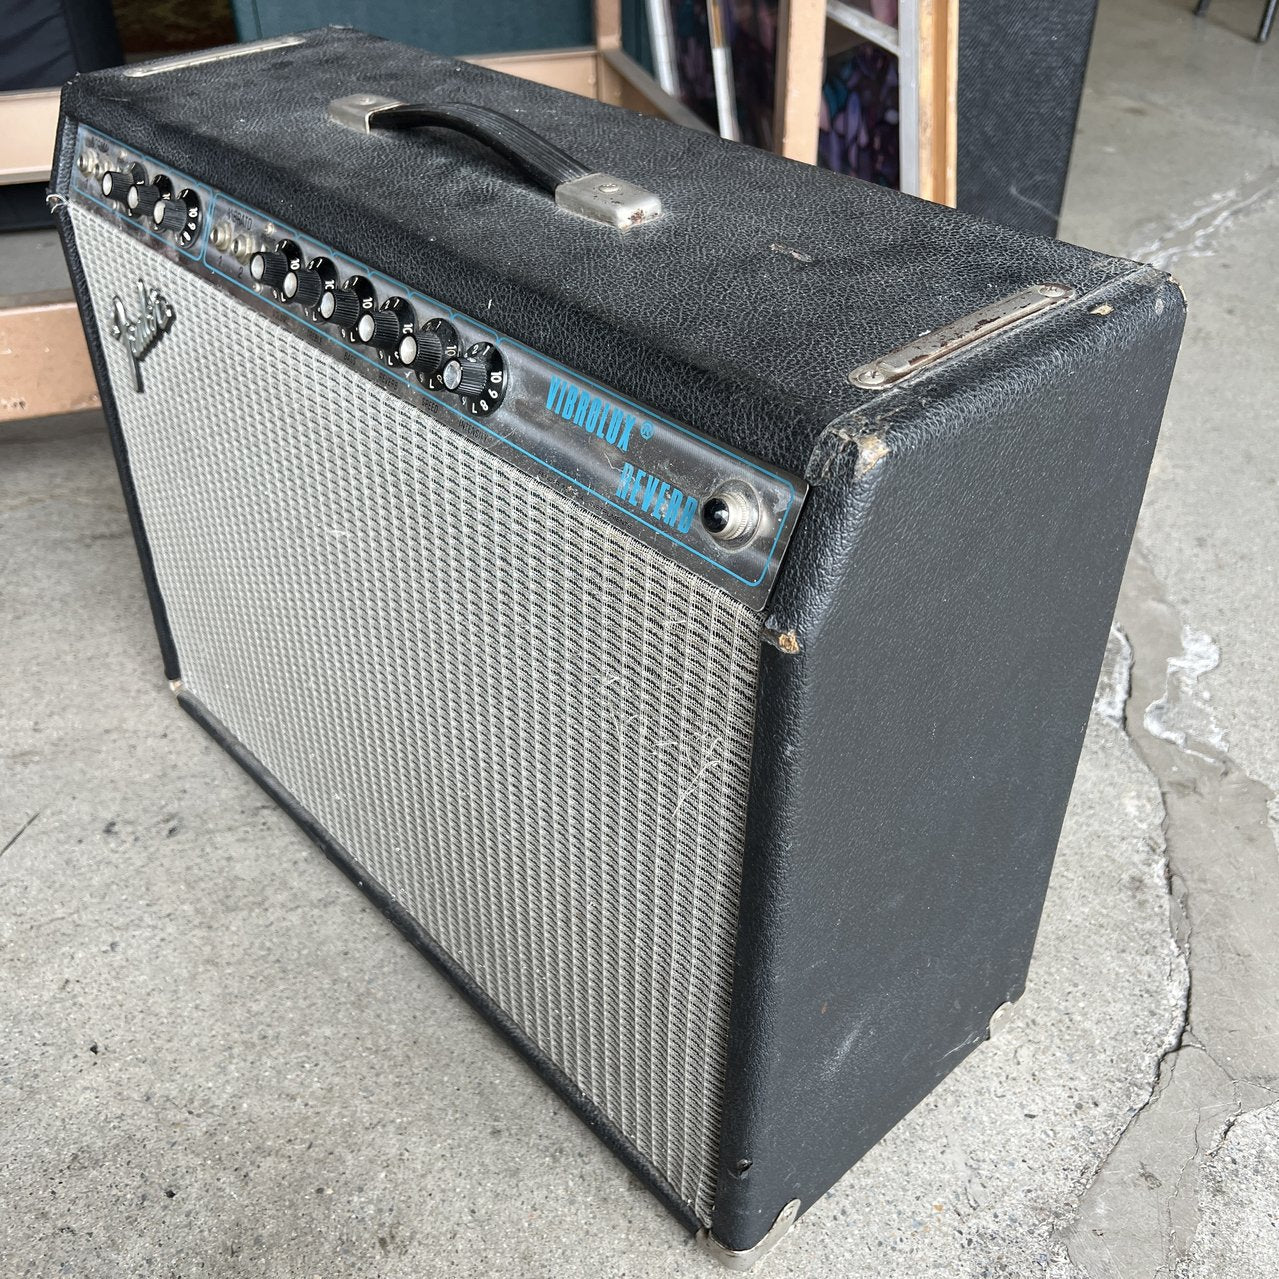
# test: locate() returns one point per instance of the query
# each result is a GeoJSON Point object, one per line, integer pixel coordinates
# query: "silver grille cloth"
{"type": "Point", "coordinates": [531, 729]}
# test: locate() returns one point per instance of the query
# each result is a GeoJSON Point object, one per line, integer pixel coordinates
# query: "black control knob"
{"type": "Point", "coordinates": [303, 287]}
{"type": "Point", "coordinates": [381, 328]}
{"type": "Point", "coordinates": [142, 199]}
{"type": "Point", "coordinates": [479, 377]}
{"type": "Point", "coordinates": [423, 351]}
{"type": "Point", "coordinates": [467, 376]}
{"type": "Point", "coordinates": [341, 307]}
{"type": "Point", "coordinates": [269, 267]}
{"type": "Point", "coordinates": [170, 215]}
{"type": "Point", "coordinates": [116, 185]}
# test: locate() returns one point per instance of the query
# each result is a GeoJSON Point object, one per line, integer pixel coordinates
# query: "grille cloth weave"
{"type": "Point", "coordinates": [533, 730]}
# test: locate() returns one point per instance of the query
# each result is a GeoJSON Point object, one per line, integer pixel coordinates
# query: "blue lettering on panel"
{"type": "Point", "coordinates": [608, 422]}
{"type": "Point", "coordinates": [657, 498]}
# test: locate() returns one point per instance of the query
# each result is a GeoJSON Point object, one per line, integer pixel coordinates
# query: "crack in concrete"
{"type": "Point", "coordinates": [1139, 1212]}
{"type": "Point", "coordinates": [18, 834]}
{"type": "Point", "coordinates": [1184, 712]}
{"type": "Point", "coordinates": [1115, 686]}
{"type": "Point", "coordinates": [1193, 235]}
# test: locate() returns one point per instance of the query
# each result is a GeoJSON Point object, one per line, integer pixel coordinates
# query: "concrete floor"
{"type": "Point", "coordinates": [217, 1059]}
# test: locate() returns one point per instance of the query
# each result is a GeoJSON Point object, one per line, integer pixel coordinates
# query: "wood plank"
{"type": "Point", "coordinates": [608, 24]}
{"type": "Point", "coordinates": [624, 83]}
{"type": "Point", "coordinates": [28, 127]}
{"type": "Point", "coordinates": [608, 75]}
{"type": "Point", "coordinates": [801, 38]}
{"type": "Point", "coordinates": [938, 77]}
{"type": "Point", "coordinates": [44, 362]}
{"type": "Point", "coordinates": [573, 70]}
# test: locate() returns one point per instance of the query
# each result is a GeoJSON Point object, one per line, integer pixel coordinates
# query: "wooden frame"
{"type": "Point", "coordinates": [801, 66]}
{"type": "Point", "coordinates": [573, 70]}
{"type": "Point", "coordinates": [44, 363]}
{"type": "Point", "coordinates": [925, 42]}
{"type": "Point", "coordinates": [936, 82]}
{"type": "Point", "coordinates": [926, 45]}
{"type": "Point", "coordinates": [605, 72]}
{"type": "Point", "coordinates": [607, 75]}
{"type": "Point", "coordinates": [28, 127]}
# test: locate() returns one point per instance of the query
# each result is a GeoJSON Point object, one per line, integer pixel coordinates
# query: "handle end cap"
{"type": "Point", "coordinates": [613, 201]}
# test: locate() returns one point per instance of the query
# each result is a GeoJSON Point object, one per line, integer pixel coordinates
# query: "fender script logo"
{"type": "Point", "coordinates": [140, 335]}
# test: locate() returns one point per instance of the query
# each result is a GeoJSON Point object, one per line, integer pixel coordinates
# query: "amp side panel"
{"type": "Point", "coordinates": [951, 591]}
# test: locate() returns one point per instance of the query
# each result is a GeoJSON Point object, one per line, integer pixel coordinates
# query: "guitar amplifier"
{"type": "Point", "coordinates": [670, 580]}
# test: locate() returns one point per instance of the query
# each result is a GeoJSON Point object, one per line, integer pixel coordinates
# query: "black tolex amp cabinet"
{"type": "Point", "coordinates": [669, 579]}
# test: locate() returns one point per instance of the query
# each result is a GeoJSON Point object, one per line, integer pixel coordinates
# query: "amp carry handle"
{"type": "Point", "coordinates": [577, 189]}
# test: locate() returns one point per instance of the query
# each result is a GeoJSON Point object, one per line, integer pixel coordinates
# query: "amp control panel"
{"type": "Point", "coordinates": [159, 202]}
{"type": "Point", "coordinates": [720, 513]}
{"type": "Point", "coordinates": [407, 333]}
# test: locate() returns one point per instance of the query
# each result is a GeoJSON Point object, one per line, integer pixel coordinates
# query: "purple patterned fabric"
{"type": "Point", "coordinates": [860, 118]}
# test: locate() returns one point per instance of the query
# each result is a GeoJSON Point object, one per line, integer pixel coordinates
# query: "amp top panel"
{"type": "Point", "coordinates": [715, 510]}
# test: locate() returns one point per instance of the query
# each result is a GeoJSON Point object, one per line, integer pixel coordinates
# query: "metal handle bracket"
{"type": "Point", "coordinates": [941, 342]}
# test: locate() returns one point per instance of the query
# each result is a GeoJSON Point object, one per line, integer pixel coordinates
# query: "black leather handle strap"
{"type": "Point", "coordinates": [587, 193]}
{"type": "Point", "coordinates": [542, 161]}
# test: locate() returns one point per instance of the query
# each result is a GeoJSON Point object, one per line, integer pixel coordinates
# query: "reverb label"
{"type": "Point", "coordinates": [657, 498]}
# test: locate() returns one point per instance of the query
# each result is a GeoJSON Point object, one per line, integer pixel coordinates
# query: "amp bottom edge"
{"type": "Point", "coordinates": [581, 1105]}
